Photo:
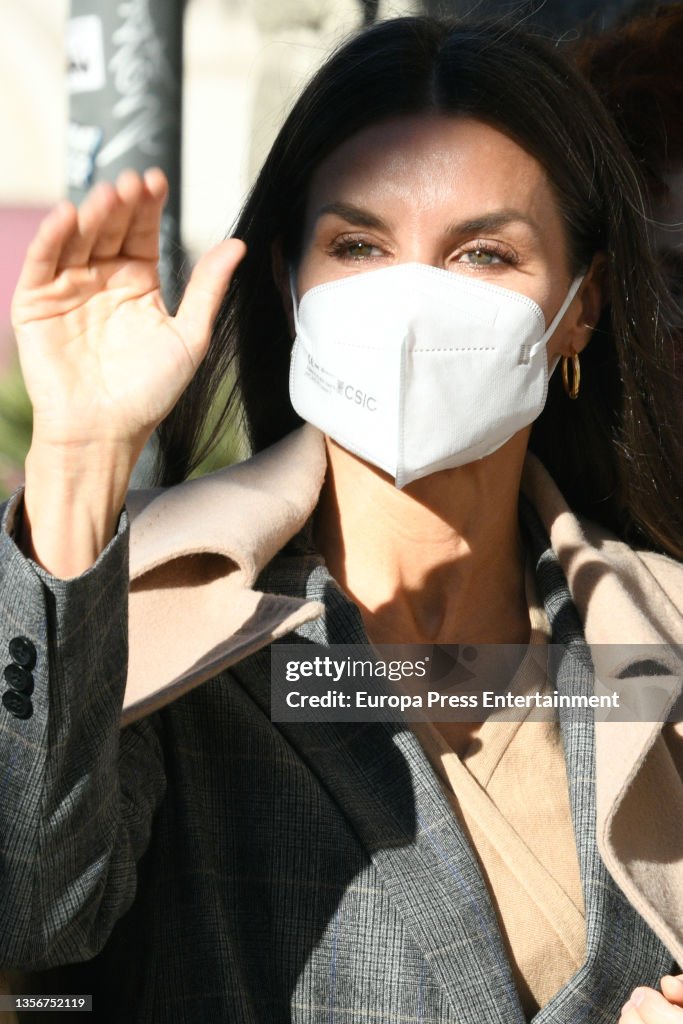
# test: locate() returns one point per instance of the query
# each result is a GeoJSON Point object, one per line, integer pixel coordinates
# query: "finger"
{"type": "Point", "coordinates": [204, 293]}
{"type": "Point", "coordinates": [93, 213]}
{"type": "Point", "coordinates": [672, 988]}
{"type": "Point", "coordinates": [629, 1015]}
{"type": "Point", "coordinates": [142, 237]}
{"type": "Point", "coordinates": [653, 1008]}
{"type": "Point", "coordinates": [129, 192]}
{"type": "Point", "coordinates": [42, 256]}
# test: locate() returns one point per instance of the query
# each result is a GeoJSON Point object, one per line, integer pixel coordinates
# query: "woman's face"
{"type": "Point", "coordinates": [450, 192]}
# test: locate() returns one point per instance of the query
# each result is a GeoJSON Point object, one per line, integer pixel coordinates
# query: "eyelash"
{"type": "Point", "coordinates": [503, 252]}
{"type": "Point", "coordinates": [340, 247]}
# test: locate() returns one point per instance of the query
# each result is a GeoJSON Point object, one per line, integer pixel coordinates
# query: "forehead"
{"type": "Point", "coordinates": [429, 161]}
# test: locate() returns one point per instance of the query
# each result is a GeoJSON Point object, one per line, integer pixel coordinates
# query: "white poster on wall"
{"type": "Point", "coordinates": [85, 54]}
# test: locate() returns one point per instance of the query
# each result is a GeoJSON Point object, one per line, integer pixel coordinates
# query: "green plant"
{"type": "Point", "coordinates": [16, 425]}
{"type": "Point", "coordinates": [15, 428]}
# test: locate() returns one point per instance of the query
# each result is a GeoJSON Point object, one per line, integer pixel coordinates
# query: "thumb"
{"type": "Point", "coordinates": [205, 290]}
{"type": "Point", "coordinates": [672, 989]}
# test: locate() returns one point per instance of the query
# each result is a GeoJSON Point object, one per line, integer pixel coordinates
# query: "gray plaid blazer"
{"type": "Point", "coordinates": [205, 864]}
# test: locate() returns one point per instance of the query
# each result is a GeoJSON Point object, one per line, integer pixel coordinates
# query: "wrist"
{"type": "Point", "coordinates": [72, 505]}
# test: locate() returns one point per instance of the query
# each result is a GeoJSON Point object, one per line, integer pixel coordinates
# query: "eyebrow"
{"type": "Point", "coordinates": [492, 221]}
{"type": "Point", "coordinates": [475, 225]}
{"type": "Point", "coordinates": [353, 214]}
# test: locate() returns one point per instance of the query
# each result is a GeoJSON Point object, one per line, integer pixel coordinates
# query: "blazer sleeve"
{"type": "Point", "coordinates": [77, 793]}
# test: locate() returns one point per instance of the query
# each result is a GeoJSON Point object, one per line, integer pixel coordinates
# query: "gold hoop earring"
{"type": "Point", "coordinates": [573, 389]}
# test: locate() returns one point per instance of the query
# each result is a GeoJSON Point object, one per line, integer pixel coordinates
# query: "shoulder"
{"type": "Point", "coordinates": [654, 580]}
{"type": "Point", "coordinates": [666, 572]}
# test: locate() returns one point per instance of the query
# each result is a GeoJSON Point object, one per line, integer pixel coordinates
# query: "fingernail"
{"type": "Point", "coordinates": [677, 981]}
{"type": "Point", "coordinates": [637, 997]}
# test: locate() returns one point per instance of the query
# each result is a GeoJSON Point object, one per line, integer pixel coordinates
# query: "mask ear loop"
{"type": "Point", "coordinates": [550, 329]}
{"type": "Point", "coordinates": [295, 301]}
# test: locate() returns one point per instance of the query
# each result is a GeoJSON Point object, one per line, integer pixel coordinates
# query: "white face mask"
{"type": "Point", "coordinates": [417, 369]}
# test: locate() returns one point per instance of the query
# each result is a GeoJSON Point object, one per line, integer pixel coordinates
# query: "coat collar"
{"type": "Point", "coordinates": [631, 606]}
{"type": "Point", "coordinates": [195, 552]}
{"type": "Point", "coordinates": [245, 513]}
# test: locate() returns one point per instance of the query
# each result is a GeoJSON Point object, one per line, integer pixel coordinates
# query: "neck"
{"type": "Point", "coordinates": [441, 561]}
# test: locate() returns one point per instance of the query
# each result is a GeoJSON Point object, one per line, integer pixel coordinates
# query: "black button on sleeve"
{"type": "Point", "coordinates": [19, 678]}
{"type": "Point", "coordinates": [18, 704]}
{"type": "Point", "coordinates": [22, 651]}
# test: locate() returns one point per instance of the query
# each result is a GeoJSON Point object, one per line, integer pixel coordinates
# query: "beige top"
{"type": "Point", "coordinates": [510, 792]}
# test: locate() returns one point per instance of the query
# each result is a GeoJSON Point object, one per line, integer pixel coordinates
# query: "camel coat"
{"type": "Point", "coordinates": [197, 549]}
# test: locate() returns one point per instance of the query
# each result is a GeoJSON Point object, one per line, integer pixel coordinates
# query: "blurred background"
{"type": "Point", "coordinates": [198, 87]}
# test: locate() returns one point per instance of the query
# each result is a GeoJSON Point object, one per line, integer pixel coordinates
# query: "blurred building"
{"type": "Point", "coordinates": [244, 62]}
{"type": "Point", "coordinates": [222, 45]}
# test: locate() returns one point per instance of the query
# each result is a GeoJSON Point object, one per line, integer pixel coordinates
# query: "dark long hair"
{"type": "Point", "coordinates": [614, 452]}
{"type": "Point", "coordinates": [636, 69]}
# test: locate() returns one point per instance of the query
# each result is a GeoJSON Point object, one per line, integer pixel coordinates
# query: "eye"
{"type": "Point", "coordinates": [354, 249]}
{"type": "Point", "coordinates": [483, 255]}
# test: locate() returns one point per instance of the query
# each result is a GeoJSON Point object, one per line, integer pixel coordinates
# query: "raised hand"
{"type": "Point", "coordinates": [102, 359]}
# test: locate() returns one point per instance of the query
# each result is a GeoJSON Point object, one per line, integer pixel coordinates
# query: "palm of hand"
{"type": "Point", "coordinates": [102, 359]}
{"type": "Point", "coordinates": [100, 353]}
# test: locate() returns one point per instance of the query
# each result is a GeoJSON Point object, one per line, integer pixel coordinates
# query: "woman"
{"type": "Point", "coordinates": [322, 870]}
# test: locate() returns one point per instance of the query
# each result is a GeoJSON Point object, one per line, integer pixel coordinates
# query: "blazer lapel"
{"type": "Point", "coordinates": [383, 783]}
{"type": "Point", "coordinates": [619, 945]}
